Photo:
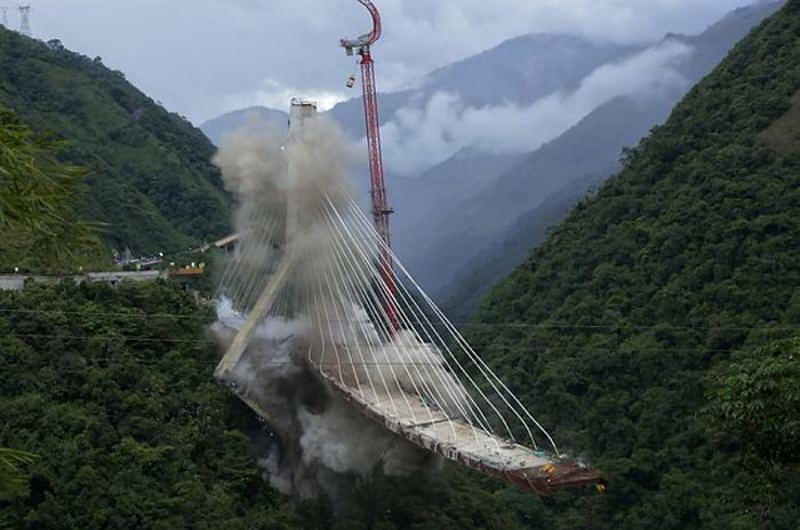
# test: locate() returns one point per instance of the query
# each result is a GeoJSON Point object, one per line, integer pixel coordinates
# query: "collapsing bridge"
{"type": "Point", "coordinates": [370, 333]}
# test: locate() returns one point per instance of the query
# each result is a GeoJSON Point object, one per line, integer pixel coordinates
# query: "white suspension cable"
{"type": "Point", "coordinates": [482, 367]}
{"type": "Point", "coordinates": [376, 306]}
{"type": "Point", "coordinates": [341, 330]}
{"type": "Point", "coordinates": [348, 304]}
{"type": "Point", "coordinates": [467, 416]}
{"type": "Point", "coordinates": [370, 337]}
{"type": "Point", "coordinates": [429, 391]}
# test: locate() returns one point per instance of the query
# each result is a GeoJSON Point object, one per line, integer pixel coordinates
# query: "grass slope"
{"type": "Point", "coordinates": [685, 257]}
{"type": "Point", "coordinates": [151, 179]}
{"type": "Point", "coordinates": [784, 134]}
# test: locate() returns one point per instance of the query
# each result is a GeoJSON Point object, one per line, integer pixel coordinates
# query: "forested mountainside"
{"type": "Point", "coordinates": [553, 179]}
{"type": "Point", "coordinates": [39, 228]}
{"type": "Point", "coordinates": [643, 330]}
{"type": "Point", "coordinates": [150, 177]}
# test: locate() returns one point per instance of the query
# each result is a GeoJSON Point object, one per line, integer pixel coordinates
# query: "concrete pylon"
{"type": "Point", "coordinates": [301, 112]}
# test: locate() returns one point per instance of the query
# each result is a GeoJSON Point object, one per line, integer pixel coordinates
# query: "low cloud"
{"type": "Point", "coordinates": [421, 136]}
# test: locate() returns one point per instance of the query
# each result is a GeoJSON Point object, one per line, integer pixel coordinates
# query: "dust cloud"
{"type": "Point", "coordinates": [312, 441]}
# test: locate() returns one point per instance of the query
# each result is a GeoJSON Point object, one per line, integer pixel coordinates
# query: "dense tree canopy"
{"type": "Point", "coordinates": [113, 389]}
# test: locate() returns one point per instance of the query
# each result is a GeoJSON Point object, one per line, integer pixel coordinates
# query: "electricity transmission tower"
{"type": "Point", "coordinates": [4, 11]}
{"type": "Point", "coordinates": [25, 20]}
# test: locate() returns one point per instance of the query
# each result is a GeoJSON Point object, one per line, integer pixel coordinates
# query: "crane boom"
{"type": "Point", "coordinates": [380, 202]}
{"type": "Point", "coordinates": [367, 40]}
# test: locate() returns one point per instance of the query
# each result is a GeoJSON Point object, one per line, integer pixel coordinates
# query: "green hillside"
{"type": "Point", "coordinates": [150, 176]}
{"type": "Point", "coordinates": [618, 327]}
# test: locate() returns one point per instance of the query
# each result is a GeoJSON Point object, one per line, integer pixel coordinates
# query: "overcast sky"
{"type": "Point", "coordinates": [204, 57]}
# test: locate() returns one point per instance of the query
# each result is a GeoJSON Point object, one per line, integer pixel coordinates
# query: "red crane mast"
{"type": "Point", "coordinates": [380, 203]}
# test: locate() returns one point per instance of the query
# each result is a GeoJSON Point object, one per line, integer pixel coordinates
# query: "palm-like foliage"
{"type": "Point", "coordinates": [12, 471]}
{"type": "Point", "coordinates": [13, 479]}
{"type": "Point", "coordinates": [37, 196]}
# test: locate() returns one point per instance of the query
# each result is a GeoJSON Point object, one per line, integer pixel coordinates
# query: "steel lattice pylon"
{"type": "Point", "coordinates": [25, 20]}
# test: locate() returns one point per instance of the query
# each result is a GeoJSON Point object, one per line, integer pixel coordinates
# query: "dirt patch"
{"type": "Point", "coordinates": [784, 134]}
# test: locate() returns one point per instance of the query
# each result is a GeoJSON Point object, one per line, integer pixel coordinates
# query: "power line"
{"type": "Point", "coordinates": [108, 338]}
{"type": "Point", "coordinates": [522, 325]}
{"type": "Point", "coordinates": [143, 339]}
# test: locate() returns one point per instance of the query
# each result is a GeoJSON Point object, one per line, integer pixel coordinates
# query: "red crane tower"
{"type": "Point", "coordinates": [380, 203]}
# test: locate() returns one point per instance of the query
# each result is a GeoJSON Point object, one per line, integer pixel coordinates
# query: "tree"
{"type": "Point", "coordinates": [756, 400]}
{"type": "Point", "coordinates": [37, 202]}
{"type": "Point", "coordinates": [13, 480]}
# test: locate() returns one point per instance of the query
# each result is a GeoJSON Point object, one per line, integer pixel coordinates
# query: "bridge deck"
{"type": "Point", "coordinates": [406, 415]}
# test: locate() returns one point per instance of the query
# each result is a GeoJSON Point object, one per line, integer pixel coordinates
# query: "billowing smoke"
{"type": "Point", "coordinates": [313, 441]}
{"type": "Point", "coordinates": [317, 440]}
